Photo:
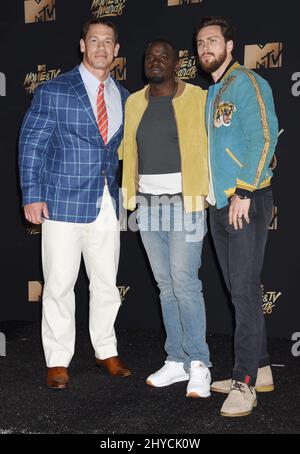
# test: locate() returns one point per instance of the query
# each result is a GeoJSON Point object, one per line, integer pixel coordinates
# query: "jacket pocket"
{"type": "Point", "coordinates": [63, 181]}
{"type": "Point", "coordinates": [234, 158]}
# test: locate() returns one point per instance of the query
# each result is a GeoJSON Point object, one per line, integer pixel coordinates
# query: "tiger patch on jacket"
{"type": "Point", "coordinates": [223, 114]}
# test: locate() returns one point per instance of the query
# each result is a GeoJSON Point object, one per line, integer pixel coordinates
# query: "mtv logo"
{"type": "Point", "coordinates": [39, 11]}
{"type": "Point", "coordinates": [35, 290]}
{"type": "Point", "coordinates": [183, 54]}
{"type": "Point", "coordinates": [263, 56]}
{"type": "Point", "coordinates": [41, 68]}
{"type": "Point", "coordinates": [2, 84]}
{"type": "Point", "coordinates": [118, 68]}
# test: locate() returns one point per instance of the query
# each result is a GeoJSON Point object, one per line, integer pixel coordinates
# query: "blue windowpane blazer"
{"type": "Point", "coordinates": [63, 160]}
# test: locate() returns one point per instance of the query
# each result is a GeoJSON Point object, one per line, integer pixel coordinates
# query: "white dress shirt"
{"type": "Point", "coordinates": [112, 99]}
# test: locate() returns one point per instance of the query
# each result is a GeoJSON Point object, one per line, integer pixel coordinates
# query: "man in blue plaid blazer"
{"type": "Point", "coordinates": [68, 162]}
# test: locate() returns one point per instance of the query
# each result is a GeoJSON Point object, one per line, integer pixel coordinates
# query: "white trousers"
{"type": "Point", "coordinates": [62, 246]}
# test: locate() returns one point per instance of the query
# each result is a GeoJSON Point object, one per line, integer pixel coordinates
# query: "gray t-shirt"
{"type": "Point", "coordinates": [158, 147]}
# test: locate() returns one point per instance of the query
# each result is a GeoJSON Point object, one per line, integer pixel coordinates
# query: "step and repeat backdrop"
{"type": "Point", "coordinates": [40, 40]}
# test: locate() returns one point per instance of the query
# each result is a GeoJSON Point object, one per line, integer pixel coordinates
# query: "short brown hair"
{"type": "Point", "coordinates": [95, 21]}
{"type": "Point", "coordinates": [227, 29]}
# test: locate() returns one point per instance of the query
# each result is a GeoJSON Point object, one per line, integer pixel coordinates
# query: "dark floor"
{"type": "Point", "coordinates": [96, 403]}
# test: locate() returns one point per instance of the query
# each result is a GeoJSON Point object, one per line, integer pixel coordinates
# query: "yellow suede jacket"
{"type": "Point", "coordinates": [189, 108]}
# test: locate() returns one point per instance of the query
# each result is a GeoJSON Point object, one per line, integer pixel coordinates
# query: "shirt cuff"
{"type": "Point", "coordinates": [244, 193]}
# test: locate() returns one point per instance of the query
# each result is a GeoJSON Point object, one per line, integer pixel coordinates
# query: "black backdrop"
{"type": "Point", "coordinates": [38, 47]}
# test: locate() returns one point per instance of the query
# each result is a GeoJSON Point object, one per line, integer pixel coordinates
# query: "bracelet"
{"type": "Point", "coordinates": [242, 197]}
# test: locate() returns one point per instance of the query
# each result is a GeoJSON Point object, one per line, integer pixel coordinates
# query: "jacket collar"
{"type": "Point", "coordinates": [81, 94]}
{"type": "Point", "coordinates": [230, 68]}
{"type": "Point", "coordinates": [180, 89]}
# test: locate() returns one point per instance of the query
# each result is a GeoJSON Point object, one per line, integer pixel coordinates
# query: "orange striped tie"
{"type": "Point", "coordinates": [102, 119]}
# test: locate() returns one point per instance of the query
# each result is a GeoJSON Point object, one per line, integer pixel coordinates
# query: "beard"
{"type": "Point", "coordinates": [214, 65]}
{"type": "Point", "coordinates": [156, 80]}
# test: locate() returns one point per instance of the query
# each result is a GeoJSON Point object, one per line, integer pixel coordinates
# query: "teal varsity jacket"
{"type": "Point", "coordinates": [242, 132]}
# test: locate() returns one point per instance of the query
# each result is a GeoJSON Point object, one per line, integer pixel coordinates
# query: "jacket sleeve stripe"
{"type": "Point", "coordinates": [265, 126]}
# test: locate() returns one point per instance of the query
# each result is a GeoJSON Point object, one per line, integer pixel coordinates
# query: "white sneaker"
{"type": "Point", "coordinates": [171, 372]}
{"type": "Point", "coordinates": [200, 378]}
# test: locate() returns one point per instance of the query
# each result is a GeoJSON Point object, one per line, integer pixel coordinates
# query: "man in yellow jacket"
{"type": "Point", "coordinates": [165, 173]}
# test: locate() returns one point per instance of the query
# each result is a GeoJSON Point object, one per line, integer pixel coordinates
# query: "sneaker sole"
{"type": "Point", "coordinates": [149, 383]}
{"type": "Point", "coordinates": [258, 389]}
{"type": "Point", "coordinates": [195, 395]}
{"type": "Point", "coordinates": [237, 415]}
{"type": "Point", "coordinates": [265, 389]}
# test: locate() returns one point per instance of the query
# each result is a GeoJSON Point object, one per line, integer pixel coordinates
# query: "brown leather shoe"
{"type": "Point", "coordinates": [57, 377]}
{"type": "Point", "coordinates": [114, 366]}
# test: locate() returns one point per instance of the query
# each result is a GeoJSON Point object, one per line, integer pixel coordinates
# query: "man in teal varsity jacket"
{"type": "Point", "coordinates": [242, 133]}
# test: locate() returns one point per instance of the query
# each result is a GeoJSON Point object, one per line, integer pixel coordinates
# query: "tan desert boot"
{"type": "Point", "coordinates": [264, 382]}
{"type": "Point", "coordinates": [240, 401]}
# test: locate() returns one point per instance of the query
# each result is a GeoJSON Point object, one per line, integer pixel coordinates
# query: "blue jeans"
{"type": "Point", "coordinates": [173, 241]}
